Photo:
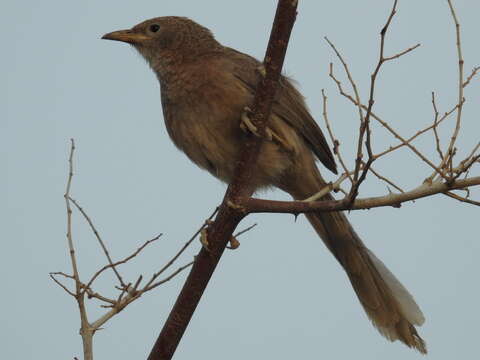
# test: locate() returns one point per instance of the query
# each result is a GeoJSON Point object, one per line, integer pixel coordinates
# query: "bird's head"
{"type": "Point", "coordinates": [166, 40]}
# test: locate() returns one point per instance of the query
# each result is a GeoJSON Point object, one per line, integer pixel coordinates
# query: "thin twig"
{"type": "Point", "coordinates": [401, 53]}
{"type": "Point", "coordinates": [336, 143]}
{"type": "Point", "coordinates": [120, 262]}
{"type": "Point", "coordinates": [99, 239]}
{"type": "Point", "coordinates": [366, 126]}
{"type": "Point", "coordinates": [451, 146]}
{"type": "Point", "coordinates": [71, 247]}
{"type": "Point", "coordinates": [175, 273]}
{"type": "Point", "coordinates": [328, 188]}
{"type": "Point", "coordinates": [382, 178]}
{"type": "Point", "coordinates": [245, 230]}
{"type": "Point", "coordinates": [389, 128]}
{"type": "Point", "coordinates": [180, 252]}
{"type": "Point", "coordinates": [471, 76]}
{"type": "Point", "coordinates": [435, 125]}
{"type": "Point", "coordinates": [408, 141]}
{"type": "Point", "coordinates": [359, 107]}
{"type": "Point", "coordinates": [462, 199]}
{"type": "Point", "coordinates": [59, 283]}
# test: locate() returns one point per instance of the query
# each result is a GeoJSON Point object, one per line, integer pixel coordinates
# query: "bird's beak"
{"type": "Point", "coordinates": [127, 36]}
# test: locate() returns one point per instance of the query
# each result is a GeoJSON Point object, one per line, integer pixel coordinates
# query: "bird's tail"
{"type": "Point", "coordinates": [386, 301]}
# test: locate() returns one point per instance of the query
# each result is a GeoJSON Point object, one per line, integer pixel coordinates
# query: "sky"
{"type": "Point", "coordinates": [281, 294]}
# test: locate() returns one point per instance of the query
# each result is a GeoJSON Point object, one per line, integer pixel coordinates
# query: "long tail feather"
{"type": "Point", "coordinates": [388, 304]}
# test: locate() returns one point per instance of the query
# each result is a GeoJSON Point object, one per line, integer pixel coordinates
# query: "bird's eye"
{"type": "Point", "coordinates": [154, 28]}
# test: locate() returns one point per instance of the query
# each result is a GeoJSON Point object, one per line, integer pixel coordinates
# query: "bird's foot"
{"type": "Point", "coordinates": [246, 124]}
{"type": "Point", "coordinates": [204, 239]}
{"type": "Point", "coordinates": [204, 235]}
{"type": "Point", "coordinates": [234, 243]}
{"type": "Point", "coordinates": [261, 70]}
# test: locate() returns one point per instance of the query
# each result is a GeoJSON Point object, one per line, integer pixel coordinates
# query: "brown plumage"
{"type": "Point", "coordinates": [204, 89]}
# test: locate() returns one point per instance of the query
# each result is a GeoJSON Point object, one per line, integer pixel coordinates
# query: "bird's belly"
{"type": "Point", "coordinates": [209, 143]}
{"type": "Point", "coordinates": [211, 137]}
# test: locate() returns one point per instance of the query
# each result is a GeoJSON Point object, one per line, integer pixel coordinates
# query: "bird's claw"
{"type": "Point", "coordinates": [261, 70]}
{"type": "Point", "coordinates": [204, 239]}
{"type": "Point", "coordinates": [246, 124]}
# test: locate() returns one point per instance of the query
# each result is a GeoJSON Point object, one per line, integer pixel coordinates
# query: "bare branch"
{"type": "Point", "coordinates": [255, 205]}
{"type": "Point", "coordinates": [462, 199]}
{"type": "Point", "coordinates": [175, 273]}
{"type": "Point", "coordinates": [471, 76]}
{"type": "Point", "coordinates": [451, 146]}
{"type": "Point", "coordinates": [382, 178]}
{"type": "Point", "coordinates": [390, 129]}
{"type": "Point", "coordinates": [435, 125]}
{"type": "Point", "coordinates": [71, 247]}
{"type": "Point", "coordinates": [123, 261]}
{"type": "Point", "coordinates": [360, 110]}
{"type": "Point", "coordinates": [401, 53]}
{"type": "Point", "coordinates": [180, 252]}
{"type": "Point", "coordinates": [328, 188]}
{"type": "Point", "coordinates": [58, 282]}
{"type": "Point", "coordinates": [336, 143]}
{"type": "Point", "coordinates": [240, 233]}
{"type": "Point", "coordinates": [100, 241]}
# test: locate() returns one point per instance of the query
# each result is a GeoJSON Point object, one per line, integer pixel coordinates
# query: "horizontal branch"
{"type": "Point", "coordinates": [254, 205]}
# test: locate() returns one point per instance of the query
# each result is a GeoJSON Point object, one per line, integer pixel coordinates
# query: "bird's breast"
{"type": "Point", "coordinates": [203, 120]}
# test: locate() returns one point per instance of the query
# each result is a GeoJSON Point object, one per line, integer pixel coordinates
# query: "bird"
{"type": "Point", "coordinates": [206, 88]}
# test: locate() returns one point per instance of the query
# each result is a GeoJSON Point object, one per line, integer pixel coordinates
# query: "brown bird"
{"type": "Point", "coordinates": [205, 88]}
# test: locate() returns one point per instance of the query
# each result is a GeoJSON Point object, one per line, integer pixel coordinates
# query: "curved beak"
{"type": "Point", "coordinates": [127, 36]}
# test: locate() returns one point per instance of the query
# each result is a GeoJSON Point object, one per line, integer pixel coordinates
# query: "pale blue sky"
{"type": "Point", "coordinates": [281, 295]}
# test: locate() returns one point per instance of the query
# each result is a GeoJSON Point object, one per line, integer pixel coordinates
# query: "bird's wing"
{"type": "Point", "coordinates": [289, 105]}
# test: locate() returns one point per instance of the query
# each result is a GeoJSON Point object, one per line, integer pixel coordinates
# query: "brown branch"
{"type": "Point", "coordinates": [182, 249]}
{"type": "Point", "coordinates": [336, 143]}
{"type": "Point", "coordinates": [360, 109]}
{"type": "Point", "coordinates": [390, 129]}
{"type": "Point", "coordinates": [99, 239]}
{"type": "Point", "coordinates": [462, 199]}
{"type": "Point", "coordinates": [240, 233]}
{"type": "Point", "coordinates": [471, 76]}
{"type": "Point", "coordinates": [86, 330]}
{"type": "Point", "coordinates": [254, 205]}
{"type": "Point", "coordinates": [365, 128]}
{"type": "Point", "coordinates": [383, 178]}
{"type": "Point", "coordinates": [59, 283]}
{"type": "Point", "coordinates": [451, 147]}
{"type": "Point", "coordinates": [229, 215]}
{"type": "Point", "coordinates": [407, 142]}
{"type": "Point", "coordinates": [328, 188]}
{"type": "Point", "coordinates": [120, 262]}
{"type": "Point", "coordinates": [435, 126]}
{"type": "Point", "coordinates": [168, 278]}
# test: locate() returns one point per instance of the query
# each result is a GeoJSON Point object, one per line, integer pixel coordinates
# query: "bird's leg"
{"type": "Point", "coordinates": [234, 243]}
{"type": "Point", "coordinates": [247, 126]}
{"type": "Point", "coordinates": [261, 70]}
{"type": "Point", "coordinates": [204, 236]}
{"type": "Point", "coordinates": [272, 136]}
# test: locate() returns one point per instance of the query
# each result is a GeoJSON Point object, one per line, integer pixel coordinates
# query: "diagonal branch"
{"type": "Point", "coordinates": [229, 215]}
